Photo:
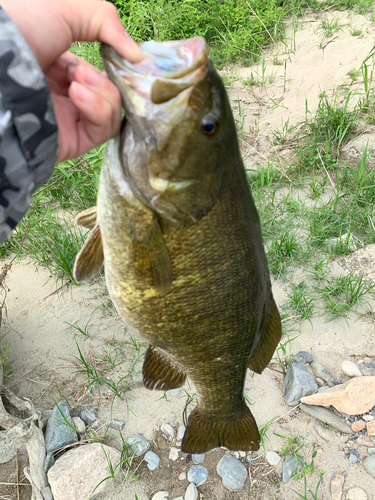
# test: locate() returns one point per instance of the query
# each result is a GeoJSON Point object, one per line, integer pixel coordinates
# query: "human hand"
{"type": "Point", "coordinates": [87, 104]}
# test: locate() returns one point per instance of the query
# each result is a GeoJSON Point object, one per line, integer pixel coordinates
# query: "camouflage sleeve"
{"type": "Point", "coordinates": [28, 129]}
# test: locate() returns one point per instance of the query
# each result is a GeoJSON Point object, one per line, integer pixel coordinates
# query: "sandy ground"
{"type": "Point", "coordinates": [43, 342]}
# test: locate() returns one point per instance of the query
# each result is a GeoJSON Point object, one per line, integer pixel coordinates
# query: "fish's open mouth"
{"type": "Point", "coordinates": [167, 69]}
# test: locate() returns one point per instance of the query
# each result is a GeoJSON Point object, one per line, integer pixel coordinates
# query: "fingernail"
{"type": "Point", "coordinates": [83, 93]}
{"type": "Point", "coordinates": [71, 68]}
{"type": "Point", "coordinates": [131, 50]}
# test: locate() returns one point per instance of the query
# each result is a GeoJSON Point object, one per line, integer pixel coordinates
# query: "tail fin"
{"type": "Point", "coordinates": [204, 432]}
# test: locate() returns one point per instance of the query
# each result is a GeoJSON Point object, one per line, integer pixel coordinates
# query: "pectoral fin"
{"type": "Point", "coordinates": [87, 218]}
{"type": "Point", "coordinates": [89, 260]}
{"type": "Point", "coordinates": [150, 255]}
{"type": "Point", "coordinates": [160, 372]}
{"type": "Point", "coordinates": [270, 337]}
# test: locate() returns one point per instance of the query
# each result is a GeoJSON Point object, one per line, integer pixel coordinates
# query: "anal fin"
{"type": "Point", "coordinates": [270, 337]}
{"type": "Point", "coordinates": [203, 433]}
{"type": "Point", "coordinates": [89, 260]}
{"type": "Point", "coordinates": [159, 371]}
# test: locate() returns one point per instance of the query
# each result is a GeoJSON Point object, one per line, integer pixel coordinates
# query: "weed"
{"type": "Point", "coordinates": [354, 74]}
{"type": "Point", "coordinates": [329, 27]}
{"type": "Point", "coordinates": [300, 304]}
{"type": "Point", "coordinates": [284, 349]}
{"type": "Point", "coordinates": [355, 31]}
{"type": "Point", "coordinates": [314, 495]}
{"type": "Point", "coordinates": [5, 365]}
{"type": "Point", "coordinates": [263, 432]}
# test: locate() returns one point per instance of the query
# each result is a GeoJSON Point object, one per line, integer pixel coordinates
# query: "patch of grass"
{"type": "Point", "coordinates": [329, 27]}
{"type": "Point", "coordinates": [300, 304]}
{"type": "Point", "coordinates": [354, 74]}
{"type": "Point", "coordinates": [355, 31]}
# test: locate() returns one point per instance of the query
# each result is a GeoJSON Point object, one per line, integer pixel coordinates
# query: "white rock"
{"type": "Point", "coordinates": [76, 473]}
{"type": "Point", "coordinates": [182, 476]}
{"type": "Point", "coordinates": [173, 454]}
{"type": "Point", "coordinates": [242, 454]}
{"type": "Point", "coordinates": [160, 495]}
{"type": "Point", "coordinates": [356, 494]}
{"type": "Point", "coordinates": [351, 369]}
{"type": "Point", "coordinates": [272, 457]}
{"type": "Point", "coordinates": [368, 418]}
{"type": "Point", "coordinates": [191, 492]}
{"type": "Point", "coordinates": [181, 432]}
{"type": "Point", "coordinates": [178, 498]}
{"type": "Point", "coordinates": [168, 430]}
{"type": "Point", "coordinates": [175, 392]}
{"type": "Point", "coordinates": [79, 424]}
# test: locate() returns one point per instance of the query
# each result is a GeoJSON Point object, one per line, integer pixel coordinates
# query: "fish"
{"type": "Point", "coordinates": [180, 237]}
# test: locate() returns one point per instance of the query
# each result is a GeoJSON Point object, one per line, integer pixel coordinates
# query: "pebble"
{"type": "Point", "coordinates": [364, 441]}
{"type": "Point", "coordinates": [152, 460]}
{"type": "Point", "coordinates": [369, 465]}
{"type": "Point", "coordinates": [177, 498]}
{"type": "Point", "coordinates": [198, 458]}
{"type": "Point", "coordinates": [320, 381]}
{"type": "Point", "coordinates": [46, 493]}
{"type": "Point", "coordinates": [181, 432]}
{"type": "Point", "coordinates": [118, 425]}
{"type": "Point", "coordinates": [353, 459]}
{"type": "Point", "coordinates": [160, 495]}
{"type": "Point", "coordinates": [175, 392]}
{"type": "Point", "coordinates": [232, 472]}
{"type": "Point", "coordinates": [182, 476]}
{"type": "Point", "coordinates": [79, 424]}
{"type": "Point", "coordinates": [197, 474]}
{"type": "Point", "coordinates": [173, 454]}
{"type": "Point", "coordinates": [138, 443]}
{"type": "Point", "coordinates": [89, 416]}
{"type": "Point", "coordinates": [168, 430]}
{"type": "Point", "coordinates": [337, 482]}
{"type": "Point", "coordinates": [272, 457]}
{"type": "Point", "coordinates": [298, 382]}
{"type": "Point", "coordinates": [303, 357]}
{"type": "Point", "coordinates": [321, 372]}
{"type": "Point", "coordinates": [356, 494]}
{"type": "Point", "coordinates": [351, 369]}
{"type": "Point", "coordinates": [326, 416]}
{"type": "Point", "coordinates": [358, 425]}
{"type": "Point", "coordinates": [368, 418]}
{"type": "Point", "coordinates": [291, 466]}
{"type": "Point", "coordinates": [370, 428]}
{"type": "Point", "coordinates": [371, 451]}
{"type": "Point", "coordinates": [191, 492]}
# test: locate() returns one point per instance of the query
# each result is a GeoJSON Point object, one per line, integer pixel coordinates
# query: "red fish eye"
{"type": "Point", "coordinates": [209, 126]}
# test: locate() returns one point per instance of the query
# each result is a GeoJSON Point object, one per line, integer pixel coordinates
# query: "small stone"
{"type": "Point", "coordinates": [191, 492]}
{"type": "Point", "coordinates": [173, 454]}
{"type": "Point", "coordinates": [351, 369]}
{"type": "Point", "coordinates": [364, 441]}
{"type": "Point", "coordinates": [358, 425]}
{"type": "Point", "coordinates": [303, 357]}
{"type": "Point", "coordinates": [355, 452]}
{"type": "Point", "coordinates": [272, 457]}
{"type": "Point", "coordinates": [89, 416]}
{"type": "Point", "coordinates": [118, 425]}
{"type": "Point", "coordinates": [176, 393]}
{"type": "Point", "coordinates": [369, 465]}
{"type": "Point", "coordinates": [168, 430]}
{"type": "Point", "coordinates": [197, 457]}
{"type": "Point", "coordinates": [236, 454]}
{"type": "Point", "coordinates": [197, 474]}
{"type": "Point", "coordinates": [152, 460]}
{"type": "Point", "coordinates": [182, 476]}
{"type": "Point", "coordinates": [337, 482]}
{"type": "Point", "coordinates": [291, 466]}
{"type": "Point", "coordinates": [353, 459]}
{"type": "Point", "coordinates": [160, 495]}
{"type": "Point", "coordinates": [326, 416]}
{"type": "Point", "coordinates": [298, 382]}
{"type": "Point", "coordinates": [181, 432]}
{"type": "Point", "coordinates": [320, 381]}
{"type": "Point", "coordinates": [371, 428]}
{"type": "Point", "coordinates": [242, 454]}
{"type": "Point", "coordinates": [46, 493]}
{"type": "Point", "coordinates": [138, 444]}
{"type": "Point", "coordinates": [177, 498]}
{"type": "Point", "coordinates": [356, 494]}
{"type": "Point", "coordinates": [321, 372]}
{"type": "Point", "coordinates": [232, 472]}
{"type": "Point", "coordinates": [79, 424]}
{"type": "Point", "coordinates": [368, 418]}
{"type": "Point", "coordinates": [325, 434]}
{"type": "Point", "coordinates": [371, 451]}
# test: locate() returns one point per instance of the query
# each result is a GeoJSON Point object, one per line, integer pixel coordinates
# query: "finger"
{"type": "Point", "coordinates": [91, 21]}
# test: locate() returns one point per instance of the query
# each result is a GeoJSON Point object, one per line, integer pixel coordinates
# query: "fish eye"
{"type": "Point", "coordinates": [209, 126]}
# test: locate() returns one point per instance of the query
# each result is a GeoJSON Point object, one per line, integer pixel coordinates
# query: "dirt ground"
{"type": "Point", "coordinates": [41, 324]}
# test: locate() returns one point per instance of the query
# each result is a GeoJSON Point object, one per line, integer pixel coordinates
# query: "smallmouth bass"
{"type": "Point", "coordinates": [179, 234]}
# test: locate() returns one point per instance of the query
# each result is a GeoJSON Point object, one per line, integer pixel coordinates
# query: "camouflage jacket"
{"type": "Point", "coordinates": [28, 129]}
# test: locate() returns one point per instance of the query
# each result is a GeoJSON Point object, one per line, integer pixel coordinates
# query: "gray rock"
{"type": "Point", "coordinates": [198, 458]}
{"type": "Point", "coordinates": [168, 430]}
{"type": "Point", "coordinates": [232, 472]}
{"type": "Point", "coordinates": [291, 466]}
{"type": "Point", "coordinates": [79, 424]}
{"type": "Point", "coordinates": [369, 465]}
{"type": "Point", "coordinates": [272, 457]}
{"type": "Point", "coordinates": [138, 444]}
{"type": "Point", "coordinates": [46, 493]}
{"type": "Point", "coordinates": [118, 425]}
{"type": "Point", "coordinates": [181, 432]}
{"type": "Point", "coordinates": [353, 459]}
{"type": "Point", "coordinates": [58, 431]}
{"type": "Point", "coordinates": [76, 473]}
{"type": "Point", "coordinates": [298, 382]}
{"type": "Point", "coordinates": [326, 416]}
{"type": "Point", "coordinates": [48, 461]}
{"type": "Point", "coordinates": [197, 474]}
{"type": "Point", "coordinates": [321, 372]}
{"type": "Point", "coordinates": [303, 357]}
{"type": "Point", "coordinates": [89, 416]}
{"type": "Point", "coordinates": [371, 451]}
{"type": "Point", "coordinates": [191, 492]}
{"type": "Point", "coordinates": [152, 460]}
